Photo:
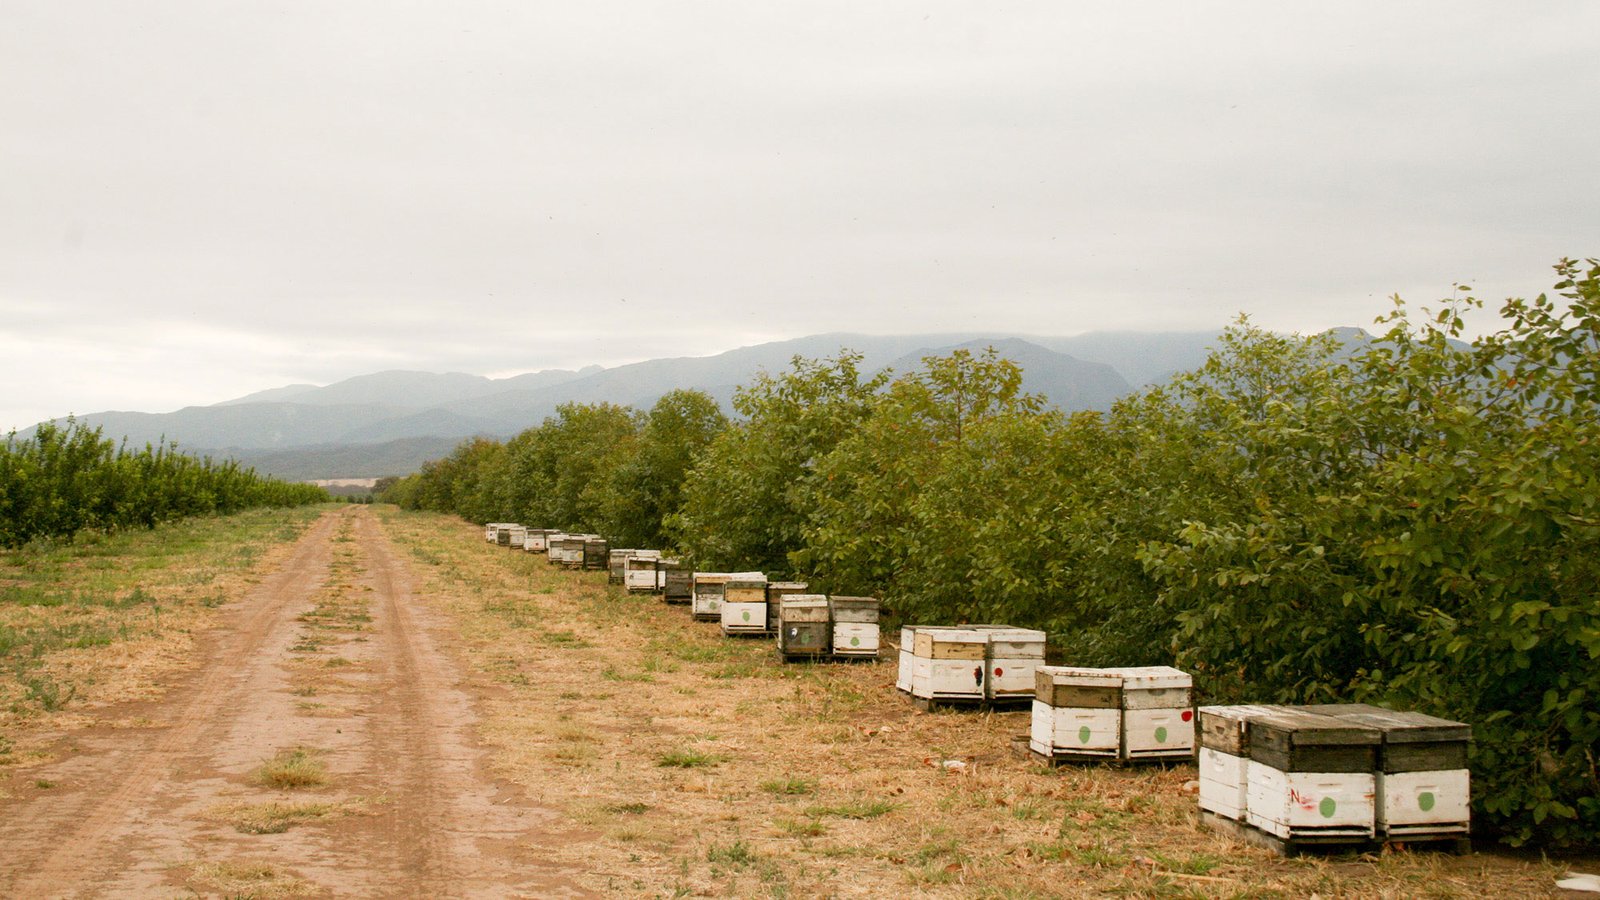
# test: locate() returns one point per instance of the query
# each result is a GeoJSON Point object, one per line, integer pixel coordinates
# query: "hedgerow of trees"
{"type": "Point", "coordinates": [1412, 520]}
{"type": "Point", "coordinates": [67, 478]}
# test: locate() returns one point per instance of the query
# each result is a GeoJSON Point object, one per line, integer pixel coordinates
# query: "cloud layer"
{"type": "Point", "coordinates": [208, 199]}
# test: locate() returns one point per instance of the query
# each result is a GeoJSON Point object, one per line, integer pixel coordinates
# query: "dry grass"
{"type": "Point", "coordinates": [291, 769]}
{"type": "Point", "coordinates": [826, 781]}
{"type": "Point", "coordinates": [247, 879]}
{"type": "Point", "coordinates": [276, 817]}
{"type": "Point", "coordinates": [106, 618]}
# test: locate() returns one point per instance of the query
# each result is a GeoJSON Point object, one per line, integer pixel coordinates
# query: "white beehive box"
{"type": "Point", "coordinates": [908, 639]}
{"type": "Point", "coordinates": [617, 564]}
{"type": "Point", "coordinates": [855, 626]}
{"type": "Point", "coordinates": [1423, 786]}
{"type": "Point", "coordinates": [948, 664]}
{"type": "Point", "coordinates": [1157, 715]}
{"type": "Point", "coordinates": [1308, 806]}
{"type": "Point", "coordinates": [1077, 713]}
{"type": "Point", "coordinates": [1011, 657]}
{"type": "Point", "coordinates": [516, 535]}
{"type": "Point", "coordinates": [744, 606]}
{"type": "Point", "coordinates": [707, 600]}
{"type": "Point", "coordinates": [1311, 776]}
{"type": "Point", "coordinates": [1224, 758]}
{"type": "Point", "coordinates": [640, 574]}
{"type": "Point", "coordinates": [567, 551]}
{"type": "Point", "coordinates": [538, 540]}
{"type": "Point", "coordinates": [491, 532]}
{"type": "Point", "coordinates": [550, 544]}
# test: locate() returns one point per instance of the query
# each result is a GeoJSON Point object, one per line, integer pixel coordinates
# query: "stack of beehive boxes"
{"type": "Point", "coordinates": [1423, 788]}
{"type": "Point", "coordinates": [707, 600]}
{"type": "Point", "coordinates": [640, 572]}
{"type": "Point", "coordinates": [617, 563]}
{"type": "Point", "coordinates": [1300, 776]}
{"type": "Point", "coordinates": [1010, 659]}
{"type": "Point", "coordinates": [803, 627]}
{"type": "Point", "coordinates": [491, 531]}
{"type": "Point", "coordinates": [566, 550]}
{"type": "Point", "coordinates": [1124, 714]}
{"type": "Point", "coordinates": [744, 605]}
{"type": "Point", "coordinates": [677, 581]}
{"type": "Point", "coordinates": [776, 591]}
{"type": "Point", "coordinates": [959, 664]}
{"type": "Point", "coordinates": [948, 663]}
{"type": "Point", "coordinates": [534, 539]}
{"type": "Point", "coordinates": [596, 554]}
{"type": "Point", "coordinates": [855, 626]}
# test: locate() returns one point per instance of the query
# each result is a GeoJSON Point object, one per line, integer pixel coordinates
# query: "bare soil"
{"type": "Point", "coordinates": [332, 654]}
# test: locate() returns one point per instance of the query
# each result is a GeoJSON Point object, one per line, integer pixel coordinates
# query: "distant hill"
{"type": "Point", "coordinates": [388, 423]}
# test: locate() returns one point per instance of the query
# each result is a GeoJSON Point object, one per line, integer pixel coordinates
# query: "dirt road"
{"type": "Point", "coordinates": [331, 673]}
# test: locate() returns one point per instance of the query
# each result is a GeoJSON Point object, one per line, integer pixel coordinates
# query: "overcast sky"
{"type": "Point", "coordinates": [203, 199]}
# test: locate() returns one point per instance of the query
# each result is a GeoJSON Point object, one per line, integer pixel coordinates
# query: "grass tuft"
{"type": "Point", "coordinates": [289, 769]}
{"type": "Point", "coordinates": [687, 759]}
{"type": "Point", "coordinates": [860, 809]}
{"type": "Point", "coordinates": [792, 787]}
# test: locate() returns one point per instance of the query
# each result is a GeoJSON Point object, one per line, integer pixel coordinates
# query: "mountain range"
{"type": "Point", "coordinates": [389, 423]}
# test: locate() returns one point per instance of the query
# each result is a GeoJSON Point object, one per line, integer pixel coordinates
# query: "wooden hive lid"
{"type": "Point", "coordinates": [1012, 633]}
{"type": "Point", "coordinates": [955, 634]}
{"type": "Point", "coordinates": [805, 601]}
{"type": "Point", "coordinates": [1298, 727]}
{"type": "Point", "coordinates": [859, 602]}
{"type": "Point", "coordinates": [1398, 726]}
{"type": "Point", "coordinates": [790, 587]}
{"type": "Point", "coordinates": [1151, 678]}
{"type": "Point", "coordinates": [712, 577]}
{"type": "Point", "coordinates": [1083, 677]}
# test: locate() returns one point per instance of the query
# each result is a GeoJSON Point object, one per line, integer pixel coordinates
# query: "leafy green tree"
{"type": "Point", "coordinates": [859, 520]}
{"type": "Point", "coordinates": [643, 487]}
{"type": "Point", "coordinates": [746, 500]}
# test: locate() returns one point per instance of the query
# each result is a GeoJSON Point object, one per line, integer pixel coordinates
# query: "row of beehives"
{"type": "Point", "coordinates": [1345, 773]}
{"type": "Point", "coordinates": [1321, 774]}
{"type": "Point", "coordinates": [746, 604]}
{"type": "Point", "coordinates": [808, 626]}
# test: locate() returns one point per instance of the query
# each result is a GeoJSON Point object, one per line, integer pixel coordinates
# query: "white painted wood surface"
{"type": "Point", "coordinates": [743, 617]}
{"type": "Point", "coordinates": [855, 639]}
{"type": "Point", "coordinates": [1224, 783]}
{"type": "Point", "coordinates": [1088, 732]}
{"type": "Point", "coordinates": [1157, 733]}
{"type": "Point", "coordinates": [908, 637]}
{"type": "Point", "coordinates": [1311, 804]}
{"type": "Point", "coordinates": [1424, 802]}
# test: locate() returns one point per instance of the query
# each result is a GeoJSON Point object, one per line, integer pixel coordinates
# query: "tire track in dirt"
{"type": "Point", "coordinates": [52, 848]}
{"type": "Point", "coordinates": [448, 833]}
{"type": "Point", "coordinates": [137, 812]}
